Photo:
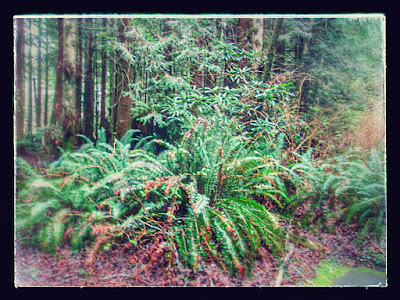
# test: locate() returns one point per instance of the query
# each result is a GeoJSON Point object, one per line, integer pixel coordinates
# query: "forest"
{"type": "Point", "coordinates": [190, 150]}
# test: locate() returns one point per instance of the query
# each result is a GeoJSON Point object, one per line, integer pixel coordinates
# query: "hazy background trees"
{"type": "Point", "coordinates": [117, 73]}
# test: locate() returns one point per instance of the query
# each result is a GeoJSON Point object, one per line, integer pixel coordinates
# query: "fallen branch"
{"type": "Point", "coordinates": [280, 273]}
{"type": "Point", "coordinates": [287, 256]}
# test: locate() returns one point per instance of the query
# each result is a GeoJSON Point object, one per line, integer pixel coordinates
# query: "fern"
{"type": "Point", "coordinates": [236, 227]}
{"type": "Point", "coordinates": [81, 232]}
{"type": "Point", "coordinates": [51, 236]}
{"type": "Point", "coordinates": [365, 182]}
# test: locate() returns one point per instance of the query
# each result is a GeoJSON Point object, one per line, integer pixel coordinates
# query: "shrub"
{"type": "Point", "coordinates": [192, 194]}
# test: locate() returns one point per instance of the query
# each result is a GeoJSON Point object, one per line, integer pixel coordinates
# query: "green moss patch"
{"type": "Point", "coordinates": [330, 273]}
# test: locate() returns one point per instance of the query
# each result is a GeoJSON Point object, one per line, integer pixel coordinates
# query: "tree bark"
{"type": "Point", "coordinates": [243, 41]}
{"type": "Point", "coordinates": [112, 87]}
{"type": "Point", "coordinates": [39, 79]}
{"type": "Point", "coordinates": [257, 40]}
{"type": "Point", "coordinates": [69, 81]}
{"type": "Point", "coordinates": [271, 49]}
{"type": "Point", "coordinates": [46, 86]}
{"type": "Point", "coordinates": [103, 121]}
{"type": "Point", "coordinates": [280, 55]}
{"type": "Point", "coordinates": [88, 109]}
{"type": "Point", "coordinates": [30, 79]}
{"type": "Point", "coordinates": [78, 83]}
{"type": "Point", "coordinates": [57, 111]}
{"type": "Point", "coordinates": [20, 80]}
{"type": "Point", "coordinates": [123, 122]}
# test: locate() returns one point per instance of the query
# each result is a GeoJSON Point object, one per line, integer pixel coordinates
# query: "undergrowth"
{"type": "Point", "coordinates": [220, 193]}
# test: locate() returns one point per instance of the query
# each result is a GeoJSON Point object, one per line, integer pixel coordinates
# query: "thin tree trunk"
{"type": "Point", "coordinates": [257, 41]}
{"type": "Point", "coordinates": [20, 80]}
{"type": "Point", "coordinates": [39, 79]}
{"type": "Point", "coordinates": [57, 111]}
{"type": "Point", "coordinates": [271, 49]}
{"type": "Point", "coordinates": [243, 34]}
{"type": "Point", "coordinates": [280, 55]}
{"type": "Point", "coordinates": [46, 86]}
{"type": "Point", "coordinates": [78, 101]}
{"type": "Point", "coordinates": [69, 81]}
{"type": "Point", "coordinates": [88, 112]}
{"type": "Point", "coordinates": [30, 92]}
{"type": "Point", "coordinates": [95, 80]}
{"type": "Point", "coordinates": [103, 121]}
{"type": "Point", "coordinates": [307, 42]}
{"type": "Point", "coordinates": [112, 86]}
{"type": "Point", "coordinates": [321, 65]}
{"type": "Point", "coordinates": [123, 122]}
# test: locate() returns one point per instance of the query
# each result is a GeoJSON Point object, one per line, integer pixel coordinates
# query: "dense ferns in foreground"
{"type": "Point", "coordinates": [197, 194]}
{"type": "Point", "coordinates": [200, 195]}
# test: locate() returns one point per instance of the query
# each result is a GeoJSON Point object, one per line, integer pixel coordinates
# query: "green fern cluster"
{"type": "Point", "coordinates": [83, 188]}
{"type": "Point", "coordinates": [196, 193]}
{"type": "Point", "coordinates": [364, 185]}
{"type": "Point", "coordinates": [231, 233]}
{"type": "Point", "coordinates": [347, 188]}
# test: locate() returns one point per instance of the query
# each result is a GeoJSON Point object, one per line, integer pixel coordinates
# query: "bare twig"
{"type": "Point", "coordinates": [286, 258]}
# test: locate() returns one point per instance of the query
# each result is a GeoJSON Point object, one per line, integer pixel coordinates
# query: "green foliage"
{"type": "Point", "coordinates": [347, 188]}
{"type": "Point", "coordinates": [227, 155]}
{"type": "Point", "coordinates": [230, 232]}
{"type": "Point", "coordinates": [200, 181]}
{"type": "Point", "coordinates": [365, 183]}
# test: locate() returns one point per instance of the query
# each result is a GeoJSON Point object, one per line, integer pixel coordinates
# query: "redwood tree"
{"type": "Point", "coordinates": [257, 40]}
{"type": "Point", "coordinates": [39, 78]}
{"type": "Point", "coordinates": [57, 111]}
{"type": "Point", "coordinates": [30, 80]}
{"type": "Point", "coordinates": [243, 38]}
{"type": "Point", "coordinates": [88, 101]}
{"type": "Point", "coordinates": [123, 122]}
{"type": "Point", "coordinates": [46, 86]}
{"type": "Point", "coordinates": [103, 121]}
{"type": "Point", "coordinates": [272, 49]}
{"type": "Point", "coordinates": [19, 79]}
{"type": "Point", "coordinates": [78, 83]}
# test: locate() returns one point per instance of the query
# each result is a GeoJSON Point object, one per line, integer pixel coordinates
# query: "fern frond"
{"type": "Point", "coordinates": [51, 236]}
{"type": "Point", "coordinates": [81, 232]}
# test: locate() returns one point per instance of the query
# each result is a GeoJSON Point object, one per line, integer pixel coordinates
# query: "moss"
{"type": "Point", "coordinates": [329, 270]}
{"type": "Point", "coordinates": [370, 271]}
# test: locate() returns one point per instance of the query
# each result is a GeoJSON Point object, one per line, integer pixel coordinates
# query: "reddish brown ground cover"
{"type": "Point", "coordinates": [124, 266]}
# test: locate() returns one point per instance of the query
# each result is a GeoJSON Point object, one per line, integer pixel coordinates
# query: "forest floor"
{"type": "Point", "coordinates": [124, 266]}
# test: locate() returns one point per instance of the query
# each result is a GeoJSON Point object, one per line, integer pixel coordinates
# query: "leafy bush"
{"type": "Point", "coordinates": [346, 188]}
{"type": "Point", "coordinates": [192, 192]}
{"type": "Point", "coordinates": [364, 183]}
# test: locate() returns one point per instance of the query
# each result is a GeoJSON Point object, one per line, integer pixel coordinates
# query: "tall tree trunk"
{"type": "Point", "coordinates": [112, 62]}
{"type": "Point", "coordinates": [243, 39]}
{"type": "Point", "coordinates": [280, 55]}
{"type": "Point", "coordinates": [88, 109]}
{"type": "Point", "coordinates": [257, 41]}
{"type": "Point", "coordinates": [196, 77]}
{"type": "Point", "coordinates": [317, 89]}
{"type": "Point", "coordinates": [271, 49]}
{"type": "Point", "coordinates": [46, 83]}
{"type": "Point", "coordinates": [123, 122]}
{"type": "Point", "coordinates": [95, 81]}
{"type": "Point", "coordinates": [69, 80]}
{"type": "Point", "coordinates": [30, 92]}
{"type": "Point", "coordinates": [19, 79]}
{"type": "Point", "coordinates": [220, 26]}
{"type": "Point", "coordinates": [103, 121]}
{"type": "Point", "coordinates": [307, 42]}
{"type": "Point", "coordinates": [78, 101]}
{"type": "Point", "coordinates": [57, 111]}
{"type": "Point", "coordinates": [39, 79]}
